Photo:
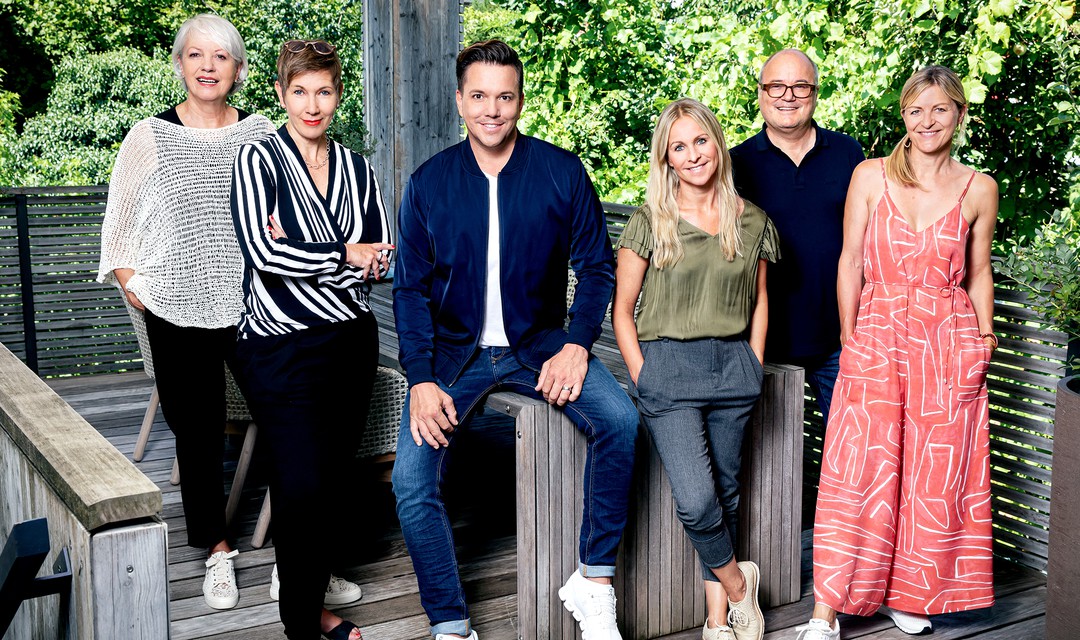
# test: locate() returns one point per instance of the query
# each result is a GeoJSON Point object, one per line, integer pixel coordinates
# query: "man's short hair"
{"type": "Point", "coordinates": [489, 52]}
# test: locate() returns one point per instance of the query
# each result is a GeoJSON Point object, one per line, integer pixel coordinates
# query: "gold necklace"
{"type": "Point", "coordinates": [319, 165]}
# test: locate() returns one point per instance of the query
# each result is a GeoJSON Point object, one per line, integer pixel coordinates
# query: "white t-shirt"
{"type": "Point", "coordinates": [493, 333]}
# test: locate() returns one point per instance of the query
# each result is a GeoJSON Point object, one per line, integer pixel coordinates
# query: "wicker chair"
{"type": "Point", "coordinates": [237, 418]}
{"type": "Point", "coordinates": [571, 289]}
{"type": "Point", "coordinates": [379, 442]}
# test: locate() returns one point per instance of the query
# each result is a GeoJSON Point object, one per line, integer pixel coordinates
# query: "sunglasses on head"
{"type": "Point", "coordinates": [322, 48]}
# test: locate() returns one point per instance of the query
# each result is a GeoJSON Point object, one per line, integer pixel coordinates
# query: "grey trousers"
{"type": "Point", "coordinates": [695, 398]}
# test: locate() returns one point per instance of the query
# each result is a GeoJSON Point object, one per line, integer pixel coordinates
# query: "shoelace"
{"type": "Point", "coordinates": [219, 566]}
{"type": "Point", "coordinates": [336, 585]}
{"type": "Point", "coordinates": [808, 632]}
{"type": "Point", "coordinates": [737, 617]}
{"type": "Point", "coordinates": [602, 610]}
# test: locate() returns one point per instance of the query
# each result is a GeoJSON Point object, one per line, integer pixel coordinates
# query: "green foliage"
{"type": "Point", "coordinates": [598, 74]}
{"type": "Point", "coordinates": [1048, 267]}
{"type": "Point", "coordinates": [67, 27]}
{"type": "Point", "coordinates": [95, 100]}
{"type": "Point", "coordinates": [485, 20]}
{"type": "Point", "coordinates": [9, 108]}
{"type": "Point", "coordinates": [98, 96]}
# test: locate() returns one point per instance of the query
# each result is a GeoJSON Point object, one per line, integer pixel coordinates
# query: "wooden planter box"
{"type": "Point", "coordinates": [1063, 568]}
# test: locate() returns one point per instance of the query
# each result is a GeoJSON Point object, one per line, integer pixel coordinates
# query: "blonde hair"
{"type": "Point", "coordinates": [898, 164]}
{"type": "Point", "coordinates": [663, 188]}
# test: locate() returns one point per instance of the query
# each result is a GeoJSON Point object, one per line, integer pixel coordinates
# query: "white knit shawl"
{"type": "Point", "coordinates": [168, 218]}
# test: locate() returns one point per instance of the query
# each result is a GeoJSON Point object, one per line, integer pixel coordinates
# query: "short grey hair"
{"type": "Point", "coordinates": [222, 32]}
{"type": "Point", "coordinates": [761, 74]}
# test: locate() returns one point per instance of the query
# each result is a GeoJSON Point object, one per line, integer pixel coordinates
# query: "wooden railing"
{"type": "Point", "coordinates": [99, 507]}
{"type": "Point", "coordinates": [55, 317]}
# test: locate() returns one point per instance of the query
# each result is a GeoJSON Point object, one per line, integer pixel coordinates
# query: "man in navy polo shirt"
{"type": "Point", "coordinates": [798, 173]}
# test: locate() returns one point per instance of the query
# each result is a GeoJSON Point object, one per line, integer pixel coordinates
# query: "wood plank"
{"type": "Point", "coordinates": [129, 586]}
{"type": "Point", "coordinates": [96, 483]}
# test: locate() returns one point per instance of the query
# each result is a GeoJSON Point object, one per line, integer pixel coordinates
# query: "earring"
{"type": "Point", "coordinates": [907, 142]}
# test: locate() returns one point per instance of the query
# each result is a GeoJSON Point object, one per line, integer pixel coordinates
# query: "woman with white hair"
{"type": "Point", "coordinates": [168, 243]}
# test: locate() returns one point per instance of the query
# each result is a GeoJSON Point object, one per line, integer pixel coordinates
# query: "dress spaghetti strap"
{"type": "Point", "coordinates": [967, 186]}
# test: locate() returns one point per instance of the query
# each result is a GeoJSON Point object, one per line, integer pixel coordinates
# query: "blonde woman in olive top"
{"type": "Point", "coordinates": [697, 254]}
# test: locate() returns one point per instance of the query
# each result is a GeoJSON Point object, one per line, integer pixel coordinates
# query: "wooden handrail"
{"type": "Point", "coordinates": [96, 483]}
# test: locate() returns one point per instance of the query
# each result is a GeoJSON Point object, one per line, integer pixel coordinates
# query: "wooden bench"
{"type": "Point", "coordinates": [658, 578]}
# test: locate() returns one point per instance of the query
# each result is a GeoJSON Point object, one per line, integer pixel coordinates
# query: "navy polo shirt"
{"type": "Point", "coordinates": [806, 203]}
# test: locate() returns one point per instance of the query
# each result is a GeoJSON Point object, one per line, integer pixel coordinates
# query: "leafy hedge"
{"type": "Point", "coordinates": [110, 59]}
{"type": "Point", "coordinates": [598, 73]}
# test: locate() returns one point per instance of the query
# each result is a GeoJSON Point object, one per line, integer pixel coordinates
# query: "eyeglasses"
{"type": "Point", "coordinates": [779, 89]}
{"type": "Point", "coordinates": [321, 47]}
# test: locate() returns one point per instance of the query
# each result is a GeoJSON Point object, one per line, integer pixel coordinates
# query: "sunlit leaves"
{"type": "Point", "coordinates": [1019, 60]}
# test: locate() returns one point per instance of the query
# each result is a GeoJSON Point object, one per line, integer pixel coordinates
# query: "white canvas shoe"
{"type": "Point", "coordinates": [818, 629]}
{"type": "Point", "coordinates": [219, 585]}
{"type": "Point", "coordinates": [745, 616]}
{"type": "Point", "coordinates": [338, 590]}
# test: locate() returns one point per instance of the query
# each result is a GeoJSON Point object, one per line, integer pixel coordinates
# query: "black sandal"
{"type": "Point", "coordinates": [342, 631]}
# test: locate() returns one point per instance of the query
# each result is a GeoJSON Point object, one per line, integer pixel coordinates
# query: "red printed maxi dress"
{"type": "Point", "coordinates": [903, 511]}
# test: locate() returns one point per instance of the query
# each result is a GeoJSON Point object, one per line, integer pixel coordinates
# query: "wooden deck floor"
{"type": "Point", "coordinates": [390, 608]}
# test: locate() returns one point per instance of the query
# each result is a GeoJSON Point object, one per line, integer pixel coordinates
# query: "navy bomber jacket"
{"type": "Point", "coordinates": [549, 217]}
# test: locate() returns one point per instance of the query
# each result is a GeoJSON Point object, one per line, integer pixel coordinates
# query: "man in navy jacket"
{"type": "Point", "coordinates": [486, 231]}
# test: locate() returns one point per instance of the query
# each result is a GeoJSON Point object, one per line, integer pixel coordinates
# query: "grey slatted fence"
{"type": "Point", "coordinates": [53, 314]}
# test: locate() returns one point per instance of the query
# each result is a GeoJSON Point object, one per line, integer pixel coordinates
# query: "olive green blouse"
{"type": "Point", "coordinates": [703, 295]}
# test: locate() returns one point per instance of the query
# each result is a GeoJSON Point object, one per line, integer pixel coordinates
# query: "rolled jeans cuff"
{"type": "Point", "coordinates": [596, 571]}
{"type": "Point", "coordinates": [456, 627]}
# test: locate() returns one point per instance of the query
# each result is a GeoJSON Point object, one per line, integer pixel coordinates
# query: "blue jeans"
{"type": "Point", "coordinates": [821, 375]}
{"type": "Point", "coordinates": [603, 413]}
{"type": "Point", "coordinates": [696, 397]}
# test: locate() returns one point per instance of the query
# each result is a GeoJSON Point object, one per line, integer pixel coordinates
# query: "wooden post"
{"type": "Point", "coordinates": [1063, 567]}
{"type": "Point", "coordinates": [409, 51]}
{"type": "Point", "coordinates": [26, 281]}
{"type": "Point", "coordinates": [658, 576]}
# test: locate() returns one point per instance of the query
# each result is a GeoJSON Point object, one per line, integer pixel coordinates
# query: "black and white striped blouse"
{"type": "Point", "coordinates": [302, 280]}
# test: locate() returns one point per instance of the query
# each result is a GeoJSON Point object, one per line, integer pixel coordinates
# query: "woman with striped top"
{"type": "Point", "coordinates": [313, 231]}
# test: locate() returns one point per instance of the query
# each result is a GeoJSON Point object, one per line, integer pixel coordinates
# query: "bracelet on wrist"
{"type": "Point", "coordinates": [993, 339]}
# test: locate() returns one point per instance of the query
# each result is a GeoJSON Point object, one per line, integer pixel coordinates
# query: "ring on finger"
{"type": "Point", "coordinates": [566, 388]}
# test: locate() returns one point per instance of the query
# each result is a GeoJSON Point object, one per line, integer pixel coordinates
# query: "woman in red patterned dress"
{"type": "Point", "coordinates": [903, 525]}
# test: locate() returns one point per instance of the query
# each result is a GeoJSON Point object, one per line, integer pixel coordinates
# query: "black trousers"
{"type": "Point", "coordinates": [189, 369]}
{"type": "Point", "coordinates": [309, 393]}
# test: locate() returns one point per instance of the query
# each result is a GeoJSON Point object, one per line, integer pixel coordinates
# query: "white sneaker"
{"type": "Point", "coordinates": [338, 591]}
{"type": "Point", "coordinates": [915, 624]}
{"type": "Point", "coordinates": [818, 629]}
{"type": "Point", "coordinates": [219, 585]}
{"type": "Point", "coordinates": [745, 616]}
{"type": "Point", "coordinates": [593, 606]}
{"type": "Point", "coordinates": [443, 636]}
{"type": "Point", "coordinates": [716, 633]}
